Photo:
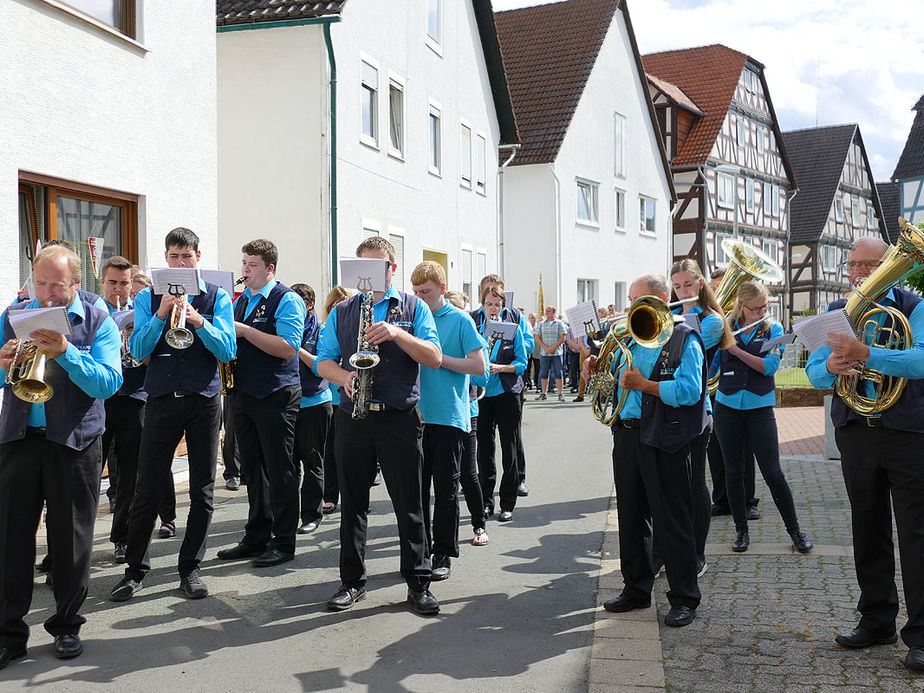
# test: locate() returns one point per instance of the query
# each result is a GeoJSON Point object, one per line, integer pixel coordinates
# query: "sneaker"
{"type": "Point", "coordinates": [703, 567]}
{"type": "Point", "coordinates": [579, 398]}
{"type": "Point", "coordinates": [119, 552]}
{"type": "Point", "coordinates": [561, 398]}
{"type": "Point", "coordinates": [541, 397]}
{"type": "Point", "coordinates": [193, 587]}
{"type": "Point", "coordinates": [378, 478]}
{"type": "Point", "coordinates": [481, 537]}
{"type": "Point", "coordinates": [125, 590]}
{"type": "Point", "coordinates": [233, 483]}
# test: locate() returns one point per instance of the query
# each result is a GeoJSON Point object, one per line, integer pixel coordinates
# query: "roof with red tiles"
{"type": "Point", "coordinates": [675, 94]}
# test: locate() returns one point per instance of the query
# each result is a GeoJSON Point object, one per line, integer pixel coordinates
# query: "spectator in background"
{"type": "Point", "coordinates": [550, 336]}
{"type": "Point", "coordinates": [140, 282]}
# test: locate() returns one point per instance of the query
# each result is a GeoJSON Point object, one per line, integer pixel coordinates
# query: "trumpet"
{"type": "Point", "coordinates": [128, 361]}
{"type": "Point", "coordinates": [26, 376]}
{"type": "Point", "coordinates": [178, 336]}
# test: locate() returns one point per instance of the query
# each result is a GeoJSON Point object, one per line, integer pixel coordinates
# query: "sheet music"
{"type": "Point", "coordinates": [777, 341]}
{"type": "Point", "coordinates": [583, 319]}
{"type": "Point", "coordinates": [813, 330]}
{"type": "Point", "coordinates": [171, 280]}
{"type": "Point", "coordinates": [26, 321]}
{"type": "Point", "coordinates": [220, 278]}
{"type": "Point", "coordinates": [500, 330]}
{"type": "Point", "coordinates": [364, 273]}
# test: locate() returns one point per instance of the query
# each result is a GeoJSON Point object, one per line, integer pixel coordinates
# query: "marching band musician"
{"type": "Point", "coordinates": [269, 319]}
{"type": "Point", "coordinates": [500, 409]}
{"type": "Point", "coordinates": [882, 459]}
{"type": "Point", "coordinates": [52, 453]}
{"type": "Point", "coordinates": [665, 411]}
{"type": "Point", "coordinates": [313, 420]}
{"type": "Point", "coordinates": [444, 405]}
{"type": "Point", "coordinates": [183, 397]}
{"type": "Point", "coordinates": [744, 417]}
{"type": "Point", "coordinates": [406, 337]}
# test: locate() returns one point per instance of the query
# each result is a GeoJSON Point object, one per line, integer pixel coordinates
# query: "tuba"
{"type": "Point", "coordinates": [26, 376]}
{"type": "Point", "coordinates": [364, 360]}
{"type": "Point", "coordinates": [904, 258]}
{"type": "Point", "coordinates": [650, 323]}
{"type": "Point", "coordinates": [747, 263]}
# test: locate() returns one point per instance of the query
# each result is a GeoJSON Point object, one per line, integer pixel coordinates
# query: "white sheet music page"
{"type": "Point", "coordinates": [583, 319]}
{"type": "Point", "coordinates": [174, 281]}
{"type": "Point", "coordinates": [777, 341]}
{"type": "Point", "coordinates": [26, 321]}
{"type": "Point", "coordinates": [364, 273]}
{"type": "Point", "coordinates": [813, 330]}
{"type": "Point", "coordinates": [221, 278]}
{"type": "Point", "coordinates": [500, 330]}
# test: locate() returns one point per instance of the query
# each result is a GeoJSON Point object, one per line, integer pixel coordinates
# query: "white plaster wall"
{"type": "Point", "coordinates": [272, 149]}
{"type": "Point", "coordinates": [85, 106]}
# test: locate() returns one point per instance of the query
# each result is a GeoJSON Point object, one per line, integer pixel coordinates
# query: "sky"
{"type": "Point", "coordinates": [826, 62]}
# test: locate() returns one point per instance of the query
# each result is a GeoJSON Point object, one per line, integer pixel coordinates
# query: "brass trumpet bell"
{"type": "Point", "coordinates": [26, 376]}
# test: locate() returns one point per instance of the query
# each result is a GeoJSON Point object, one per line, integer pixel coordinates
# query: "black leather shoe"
{"type": "Point", "coordinates": [118, 553]}
{"type": "Point", "coordinates": [346, 597]}
{"type": "Point", "coordinates": [240, 551]}
{"type": "Point", "coordinates": [801, 542]}
{"type": "Point", "coordinates": [329, 507]}
{"type": "Point", "coordinates": [271, 557]}
{"type": "Point", "coordinates": [522, 489]}
{"type": "Point", "coordinates": [742, 541]}
{"type": "Point", "coordinates": [621, 604]}
{"type": "Point", "coordinates": [505, 516]}
{"type": "Point", "coordinates": [193, 587]}
{"type": "Point", "coordinates": [8, 654]}
{"type": "Point", "coordinates": [442, 567]}
{"type": "Point", "coordinates": [679, 616]}
{"type": "Point", "coordinates": [859, 637]}
{"type": "Point", "coordinates": [308, 527]}
{"type": "Point", "coordinates": [914, 660]}
{"type": "Point", "coordinates": [125, 590]}
{"type": "Point", "coordinates": [488, 511]}
{"type": "Point", "coordinates": [423, 602]}
{"type": "Point", "coordinates": [722, 509]}
{"type": "Point", "coordinates": [68, 646]}
{"type": "Point", "coordinates": [752, 513]}
{"type": "Point", "coordinates": [167, 531]}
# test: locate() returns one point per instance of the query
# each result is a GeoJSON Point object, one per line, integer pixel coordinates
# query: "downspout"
{"type": "Point", "coordinates": [557, 235]}
{"type": "Point", "coordinates": [332, 62]}
{"type": "Point", "coordinates": [501, 226]}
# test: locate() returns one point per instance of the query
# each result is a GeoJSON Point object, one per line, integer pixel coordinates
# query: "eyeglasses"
{"type": "Point", "coordinates": [758, 309]}
{"type": "Point", "coordinates": [870, 265]}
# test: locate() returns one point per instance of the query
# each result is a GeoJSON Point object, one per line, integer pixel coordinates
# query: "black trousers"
{"type": "Point", "coordinates": [166, 419]}
{"type": "Point", "coordinates": [702, 504]}
{"type": "Point", "coordinates": [331, 487]}
{"type": "Point", "coordinates": [311, 425]}
{"type": "Point", "coordinates": [884, 472]}
{"type": "Point", "coordinates": [265, 430]}
{"type": "Point", "coordinates": [500, 412]}
{"type": "Point", "coordinates": [521, 453]}
{"type": "Point", "coordinates": [32, 471]}
{"type": "Point", "coordinates": [392, 438]}
{"type": "Point", "coordinates": [737, 430]}
{"type": "Point", "coordinates": [574, 369]}
{"type": "Point", "coordinates": [717, 472]}
{"type": "Point", "coordinates": [653, 487]}
{"type": "Point", "coordinates": [230, 455]}
{"type": "Point", "coordinates": [532, 372]}
{"type": "Point", "coordinates": [468, 476]}
{"type": "Point", "coordinates": [442, 455]}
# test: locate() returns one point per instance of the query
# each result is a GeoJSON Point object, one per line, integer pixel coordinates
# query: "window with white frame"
{"type": "Point", "coordinates": [397, 242]}
{"type": "Point", "coordinates": [772, 250]}
{"type": "Point", "coordinates": [619, 143]}
{"type": "Point", "coordinates": [481, 263]}
{"type": "Point", "coordinates": [620, 210]}
{"type": "Point", "coordinates": [828, 258]}
{"type": "Point", "coordinates": [871, 222]}
{"type": "Point", "coordinates": [751, 81]}
{"type": "Point", "coordinates": [371, 227]}
{"type": "Point", "coordinates": [467, 273]}
{"type": "Point", "coordinates": [436, 136]}
{"type": "Point", "coordinates": [725, 190]}
{"type": "Point", "coordinates": [587, 202]}
{"type": "Point", "coordinates": [773, 311]}
{"type": "Point", "coordinates": [768, 199]}
{"type": "Point", "coordinates": [619, 296]}
{"type": "Point", "coordinates": [775, 199]}
{"type": "Point", "coordinates": [721, 259]}
{"type": "Point", "coordinates": [838, 209]}
{"type": "Point", "coordinates": [646, 215]}
{"type": "Point", "coordinates": [761, 140]}
{"type": "Point", "coordinates": [396, 118]}
{"type": "Point", "coordinates": [370, 104]}
{"type": "Point", "coordinates": [742, 131]}
{"type": "Point", "coordinates": [435, 21]}
{"type": "Point", "coordinates": [750, 195]}
{"type": "Point", "coordinates": [586, 290]}
{"type": "Point", "coordinates": [855, 211]}
{"type": "Point", "coordinates": [465, 154]}
{"type": "Point", "coordinates": [481, 163]}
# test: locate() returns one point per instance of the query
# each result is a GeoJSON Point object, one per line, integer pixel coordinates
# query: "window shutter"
{"type": "Point", "coordinates": [398, 243]}
{"type": "Point", "coordinates": [370, 75]}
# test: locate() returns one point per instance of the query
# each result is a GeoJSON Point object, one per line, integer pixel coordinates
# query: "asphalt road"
{"type": "Point", "coordinates": [516, 614]}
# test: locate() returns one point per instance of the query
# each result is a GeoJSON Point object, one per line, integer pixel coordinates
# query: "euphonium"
{"type": "Point", "coordinates": [746, 263]}
{"type": "Point", "coordinates": [650, 323]}
{"type": "Point", "coordinates": [26, 376]}
{"type": "Point", "coordinates": [178, 336]}
{"type": "Point", "coordinates": [364, 360]}
{"type": "Point", "coordinates": [904, 258]}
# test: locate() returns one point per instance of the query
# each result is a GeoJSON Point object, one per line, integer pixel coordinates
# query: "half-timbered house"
{"type": "Point", "coordinates": [909, 172]}
{"type": "Point", "coordinates": [837, 204]}
{"type": "Point", "coordinates": [730, 167]}
{"type": "Point", "coordinates": [890, 199]}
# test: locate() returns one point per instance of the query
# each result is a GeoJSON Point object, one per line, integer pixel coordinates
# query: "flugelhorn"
{"type": "Point", "coordinates": [178, 336]}
{"type": "Point", "coordinates": [26, 376]}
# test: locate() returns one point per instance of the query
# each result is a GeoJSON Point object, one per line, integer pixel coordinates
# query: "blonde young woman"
{"type": "Point", "coordinates": [744, 413]}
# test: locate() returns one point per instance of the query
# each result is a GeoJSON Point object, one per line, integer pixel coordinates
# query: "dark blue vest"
{"type": "Point", "coordinates": [311, 384]}
{"type": "Point", "coordinates": [258, 373]}
{"type": "Point", "coordinates": [908, 413]}
{"type": "Point", "coordinates": [194, 369]}
{"type": "Point", "coordinates": [670, 428]}
{"type": "Point", "coordinates": [73, 418]}
{"type": "Point", "coordinates": [133, 383]}
{"type": "Point", "coordinates": [396, 380]}
{"type": "Point", "coordinates": [506, 352]}
{"type": "Point", "coordinates": [737, 375]}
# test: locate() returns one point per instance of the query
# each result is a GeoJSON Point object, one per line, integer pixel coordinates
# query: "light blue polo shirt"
{"type": "Point", "coordinates": [444, 393]}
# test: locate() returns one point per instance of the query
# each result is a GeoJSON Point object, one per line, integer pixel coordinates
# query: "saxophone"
{"type": "Point", "coordinates": [363, 361]}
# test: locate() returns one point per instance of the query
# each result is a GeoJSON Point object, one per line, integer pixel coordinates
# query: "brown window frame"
{"type": "Point", "coordinates": [129, 28]}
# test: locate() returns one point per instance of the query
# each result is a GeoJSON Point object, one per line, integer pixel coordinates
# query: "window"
{"type": "Point", "coordinates": [768, 198]}
{"type": "Point", "coordinates": [855, 211]}
{"type": "Point", "coordinates": [434, 23]}
{"type": "Point", "coordinates": [481, 263]}
{"type": "Point", "coordinates": [465, 163]}
{"type": "Point", "coordinates": [721, 259]}
{"type": "Point", "coordinates": [620, 210]}
{"type": "Point", "coordinates": [772, 250]}
{"type": "Point", "coordinates": [773, 311]}
{"type": "Point", "coordinates": [619, 139]}
{"type": "Point", "coordinates": [619, 295]}
{"type": "Point", "coordinates": [396, 118]}
{"type": "Point", "coordinates": [775, 200]}
{"type": "Point", "coordinates": [587, 209]}
{"type": "Point", "coordinates": [397, 242]}
{"type": "Point", "coordinates": [435, 139]}
{"type": "Point", "coordinates": [646, 215]}
{"type": "Point", "coordinates": [371, 227]}
{"type": "Point", "coordinates": [51, 208]}
{"type": "Point", "coordinates": [871, 222]}
{"type": "Point", "coordinates": [838, 209]}
{"type": "Point", "coordinates": [761, 140]}
{"type": "Point", "coordinates": [481, 163]}
{"type": "Point", "coordinates": [742, 132]}
{"type": "Point", "coordinates": [751, 82]}
{"type": "Point", "coordinates": [725, 188]}
{"type": "Point", "coordinates": [586, 290]}
{"type": "Point", "coordinates": [370, 104]}
{"type": "Point", "coordinates": [467, 274]}
{"type": "Point", "coordinates": [828, 258]}
{"type": "Point", "coordinates": [749, 195]}
{"type": "Point", "coordinates": [119, 14]}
